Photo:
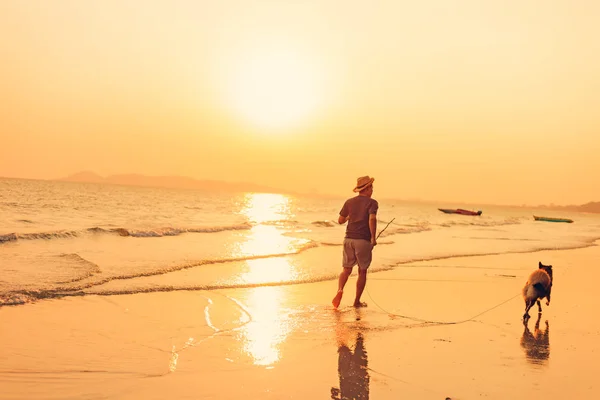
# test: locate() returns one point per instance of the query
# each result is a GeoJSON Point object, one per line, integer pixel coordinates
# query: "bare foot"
{"type": "Point", "coordinates": [360, 304]}
{"type": "Point", "coordinates": [337, 299]}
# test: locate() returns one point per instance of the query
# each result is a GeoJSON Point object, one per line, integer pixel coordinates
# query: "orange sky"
{"type": "Point", "coordinates": [493, 102]}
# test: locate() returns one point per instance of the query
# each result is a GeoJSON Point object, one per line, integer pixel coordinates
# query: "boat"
{"type": "Point", "coordinates": [459, 211]}
{"type": "Point", "coordinates": [549, 219]}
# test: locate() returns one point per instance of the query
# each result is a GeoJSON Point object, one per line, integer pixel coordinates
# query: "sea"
{"type": "Point", "coordinates": [60, 239]}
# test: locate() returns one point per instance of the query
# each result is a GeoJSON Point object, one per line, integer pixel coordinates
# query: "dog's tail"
{"type": "Point", "coordinates": [533, 291]}
{"type": "Point", "coordinates": [537, 285]}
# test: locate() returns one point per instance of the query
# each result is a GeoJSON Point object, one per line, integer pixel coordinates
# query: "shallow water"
{"type": "Point", "coordinates": [59, 239]}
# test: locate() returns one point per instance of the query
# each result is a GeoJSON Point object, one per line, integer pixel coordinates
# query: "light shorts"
{"type": "Point", "coordinates": [357, 251]}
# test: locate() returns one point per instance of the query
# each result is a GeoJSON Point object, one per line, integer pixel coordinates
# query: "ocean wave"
{"type": "Point", "coordinates": [48, 235]}
{"type": "Point", "coordinates": [391, 231]}
{"type": "Point", "coordinates": [15, 299]}
{"type": "Point", "coordinates": [280, 223]}
{"type": "Point", "coordinates": [30, 296]}
{"type": "Point", "coordinates": [584, 243]}
{"type": "Point", "coordinates": [325, 223]}
{"type": "Point", "coordinates": [379, 243]}
{"type": "Point", "coordinates": [10, 204]}
{"type": "Point", "coordinates": [76, 286]}
{"type": "Point", "coordinates": [9, 237]}
{"type": "Point", "coordinates": [157, 232]}
{"type": "Point", "coordinates": [88, 268]}
{"type": "Point", "coordinates": [168, 231]}
{"type": "Point", "coordinates": [401, 230]}
{"type": "Point", "coordinates": [481, 222]}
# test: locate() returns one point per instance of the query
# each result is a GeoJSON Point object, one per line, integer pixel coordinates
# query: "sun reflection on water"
{"type": "Point", "coordinates": [269, 327]}
{"type": "Point", "coordinates": [269, 270]}
{"type": "Point", "coordinates": [266, 207]}
{"type": "Point", "coordinates": [264, 240]}
{"type": "Point", "coordinates": [270, 215]}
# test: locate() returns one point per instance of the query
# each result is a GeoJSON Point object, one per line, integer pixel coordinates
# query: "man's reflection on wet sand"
{"type": "Point", "coordinates": [536, 344]}
{"type": "Point", "coordinates": [352, 361]}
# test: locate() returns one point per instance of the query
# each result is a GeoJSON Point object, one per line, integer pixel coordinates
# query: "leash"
{"type": "Point", "coordinates": [430, 321]}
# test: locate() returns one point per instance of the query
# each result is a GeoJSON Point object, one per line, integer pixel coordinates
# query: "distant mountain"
{"type": "Point", "coordinates": [591, 207]}
{"type": "Point", "coordinates": [85, 176]}
{"type": "Point", "coordinates": [172, 182]}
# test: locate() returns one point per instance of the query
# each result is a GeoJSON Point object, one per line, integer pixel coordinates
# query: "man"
{"type": "Point", "coordinates": [361, 214]}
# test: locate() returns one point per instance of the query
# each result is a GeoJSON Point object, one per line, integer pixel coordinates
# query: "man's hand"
{"type": "Point", "coordinates": [373, 229]}
{"type": "Point", "coordinates": [342, 220]}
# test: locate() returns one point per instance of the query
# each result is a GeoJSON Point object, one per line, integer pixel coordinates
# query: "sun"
{"type": "Point", "coordinates": [276, 89]}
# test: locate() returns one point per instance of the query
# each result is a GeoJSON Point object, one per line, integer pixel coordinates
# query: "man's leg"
{"type": "Point", "coordinates": [341, 283]}
{"type": "Point", "coordinates": [360, 286]}
{"type": "Point", "coordinates": [364, 255]}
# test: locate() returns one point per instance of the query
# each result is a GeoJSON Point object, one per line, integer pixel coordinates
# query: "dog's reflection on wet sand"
{"type": "Point", "coordinates": [536, 344]}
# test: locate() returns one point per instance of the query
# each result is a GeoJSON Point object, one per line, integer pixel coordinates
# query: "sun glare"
{"type": "Point", "coordinates": [269, 327]}
{"type": "Point", "coordinates": [264, 207]}
{"type": "Point", "coordinates": [266, 212]}
{"type": "Point", "coordinates": [278, 89]}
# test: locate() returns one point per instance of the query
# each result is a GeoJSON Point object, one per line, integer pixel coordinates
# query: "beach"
{"type": "Point", "coordinates": [116, 292]}
{"type": "Point", "coordinates": [288, 342]}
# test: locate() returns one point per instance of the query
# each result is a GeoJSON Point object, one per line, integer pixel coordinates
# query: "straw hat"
{"type": "Point", "coordinates": [363, 182]}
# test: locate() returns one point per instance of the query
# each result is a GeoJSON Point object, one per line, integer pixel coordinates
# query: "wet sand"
{"type": "Point", "coordinates": [435, 329]}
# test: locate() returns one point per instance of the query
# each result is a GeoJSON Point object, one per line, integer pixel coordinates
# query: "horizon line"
{"type": "Point", "coordinates": [277, 190]}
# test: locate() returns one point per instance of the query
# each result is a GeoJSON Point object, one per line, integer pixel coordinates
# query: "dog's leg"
{"type": "Point", "coordinates": [548, 297]}
{"type": "Point", "coordinates": [528, 305]}
{"type": "Point", "coordinates": [539, 306]}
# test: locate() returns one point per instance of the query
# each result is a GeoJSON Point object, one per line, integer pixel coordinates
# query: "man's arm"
{"type": "Point", "coordinates": [342, 220]}
{"type": "Point", "coordinates": [373, 228]}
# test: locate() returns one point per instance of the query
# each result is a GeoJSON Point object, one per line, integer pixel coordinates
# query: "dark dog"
{"type": "Point", "coordinates": [538, 286]}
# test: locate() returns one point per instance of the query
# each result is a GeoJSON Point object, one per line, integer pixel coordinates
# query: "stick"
{"type": "Point", "coordinates": [385, 228]}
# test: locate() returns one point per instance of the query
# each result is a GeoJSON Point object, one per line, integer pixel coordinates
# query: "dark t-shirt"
{"type": "Point", "coordinates": [358, 209]}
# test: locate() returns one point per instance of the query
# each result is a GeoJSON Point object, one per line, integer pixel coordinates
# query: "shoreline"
{"type": "Point", "coordinates": [81, 292]}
